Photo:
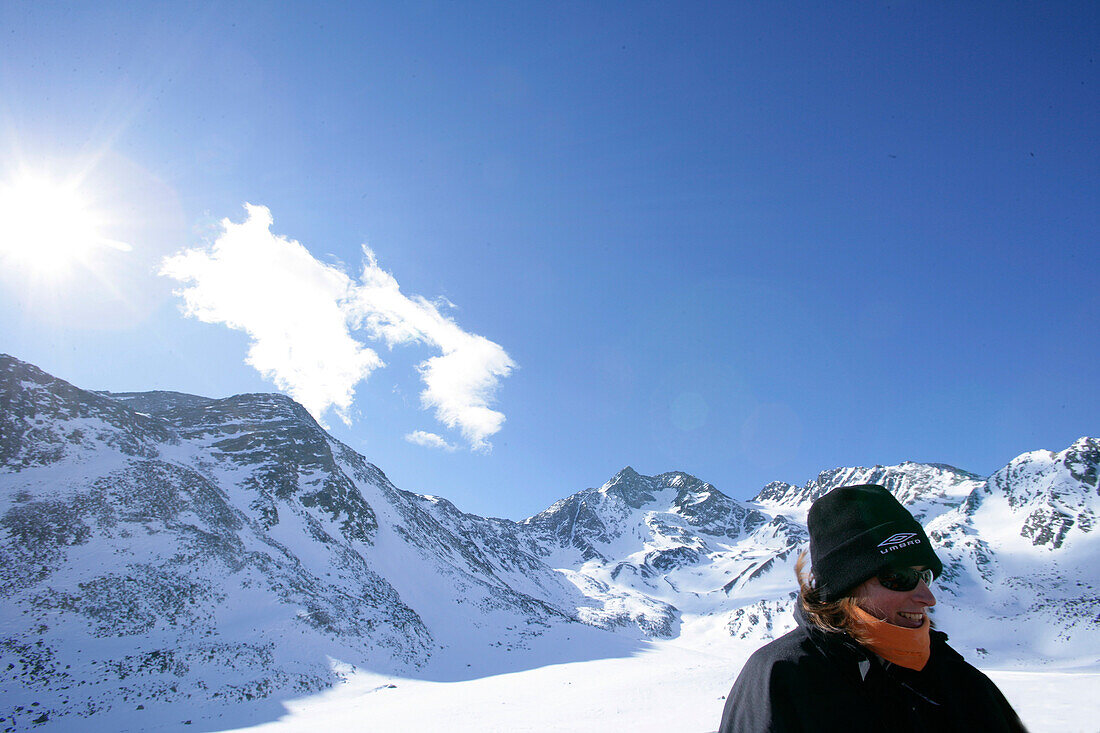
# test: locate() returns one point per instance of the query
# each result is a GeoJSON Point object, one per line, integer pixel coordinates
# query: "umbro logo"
{"type": "Point", "coordinates": [897, 541]}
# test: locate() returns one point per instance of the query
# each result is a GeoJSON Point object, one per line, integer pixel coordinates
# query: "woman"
{"type": "Point", "coordinates": [864, 656]}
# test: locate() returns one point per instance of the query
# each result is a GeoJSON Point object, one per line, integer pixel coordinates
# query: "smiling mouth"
{"type": "Point", "coordinates": [917, 618]}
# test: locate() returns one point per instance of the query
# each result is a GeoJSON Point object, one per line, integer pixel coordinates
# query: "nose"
{"type": "Point", "coordinates": [923, 594]}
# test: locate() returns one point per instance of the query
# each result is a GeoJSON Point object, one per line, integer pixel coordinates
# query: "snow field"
{"type": "Point", "coordinates": [663, 688]}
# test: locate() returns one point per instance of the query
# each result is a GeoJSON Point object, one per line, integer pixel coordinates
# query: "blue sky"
{"type": "Point", "coordinates": [748, 242]}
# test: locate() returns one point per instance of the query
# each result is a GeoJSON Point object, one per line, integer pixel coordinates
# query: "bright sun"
{"type": "Point", "coordinates": [46, 226]}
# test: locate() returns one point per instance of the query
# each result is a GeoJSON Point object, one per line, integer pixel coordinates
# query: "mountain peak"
{"type": "Point", "coordinates": [634, 488]}
{"type": "Point", "coordinates": [46, 419]}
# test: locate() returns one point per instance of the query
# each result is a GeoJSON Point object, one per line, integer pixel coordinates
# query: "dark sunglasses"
{"type": "Point", "coordinates": [905, 579]}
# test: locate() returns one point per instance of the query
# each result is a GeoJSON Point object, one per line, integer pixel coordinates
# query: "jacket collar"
{"type": "Point", "coordinates": [836, 646]}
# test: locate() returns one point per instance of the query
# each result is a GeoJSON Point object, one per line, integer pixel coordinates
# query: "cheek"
{"type": "Point", "coordinates": [874, 599]}
{"type": "Point", "coordinates": [864, 599]}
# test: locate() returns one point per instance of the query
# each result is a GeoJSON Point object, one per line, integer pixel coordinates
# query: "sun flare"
{"type": "Point", "coordinates": [47, 226]}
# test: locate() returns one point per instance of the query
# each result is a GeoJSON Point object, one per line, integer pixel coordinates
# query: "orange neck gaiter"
{"type": "Point", "coordinates": [909, 648]}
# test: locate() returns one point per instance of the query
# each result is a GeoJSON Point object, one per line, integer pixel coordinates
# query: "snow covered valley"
{"type": "Point", "coordinates": [174, 562]}
{"type": "Point", "coordinates": [661, 687]}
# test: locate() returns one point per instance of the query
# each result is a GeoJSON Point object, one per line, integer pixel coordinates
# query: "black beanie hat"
{"type": "Point", "coordinates": [858, 531]}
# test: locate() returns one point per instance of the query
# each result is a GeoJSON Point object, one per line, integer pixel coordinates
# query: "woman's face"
{"type": "Point", "coordinates": [900, 608]}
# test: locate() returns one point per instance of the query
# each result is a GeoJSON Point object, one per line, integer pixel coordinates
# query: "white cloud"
{"type": "Point", "coordinates": [461, 382]}
{"type": "Point", "coordinates": [301, 314]}
{"type": "Point", "coordinates": [428, 440]}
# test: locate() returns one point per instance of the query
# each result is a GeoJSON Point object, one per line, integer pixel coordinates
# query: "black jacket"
{"type": "Point", "coordinates": [809, 680]}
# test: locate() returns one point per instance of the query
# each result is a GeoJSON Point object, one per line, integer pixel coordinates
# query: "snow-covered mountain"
{"type": "Point", "coordinates": [1021, 582]}
{"type": "Point", "coordinates": [166, 547]}
{"type": "Point", "coordinates": [170, 547]}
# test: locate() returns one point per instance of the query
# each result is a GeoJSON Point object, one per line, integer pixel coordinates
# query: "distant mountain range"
{"type": "Point", "coordinates": [159, 546]}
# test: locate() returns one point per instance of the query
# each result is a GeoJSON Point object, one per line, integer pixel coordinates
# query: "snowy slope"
{"type": "Point", "coordinates": [163, 549]}
{"type": "Point", "coordinates": [227, 550]}
{"type": "Point", "coordinates": [647, 550]}
{"type": "Point", "coordinates": [1021, 553]}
